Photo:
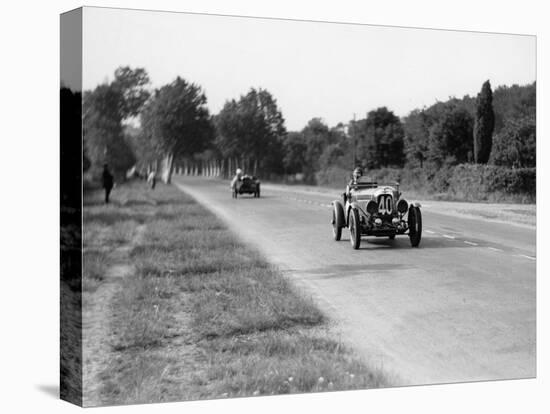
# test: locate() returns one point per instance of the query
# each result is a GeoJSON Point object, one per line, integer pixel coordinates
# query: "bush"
{"type": "Point", "coordinates": [515, 145]}
{"type": "Point", "coordinates": [491, 182]}
{"type": "Point", "coordinates": [333, 177]}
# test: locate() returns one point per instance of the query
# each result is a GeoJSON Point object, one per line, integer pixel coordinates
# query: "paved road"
{"type": "Point", "coordinates": [459, 308]}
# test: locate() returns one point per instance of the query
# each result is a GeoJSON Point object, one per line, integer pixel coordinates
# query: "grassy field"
{"type": "Point", "coordinates": [176, 308]}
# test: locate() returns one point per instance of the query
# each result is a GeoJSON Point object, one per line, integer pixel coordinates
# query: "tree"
{"type": "Point", "coordinates": [130, 84]}
{"type": "Point", "coordinates": [416, 127]}
{"type": "Point", "coordinates": [513, 102]}
{"type": "Point", "coordinates": [381, 144]}
{"type": "Point", "coordinates": [317, 137]}
{"type": "Point", "coordinates": [515, 144]}
{"type": "Point", "coordinates": [252, 131]}
{"type": "Point", "coordinates": [484, 124]}
{"type": "Point", "coordinates": [142, 145]}
{"type": "Point", "coordinates": [103, 135]}
{"type": "Point", "coordinates": [177, 122]}
{"type": "Point", "coordinates": [333, 155]}
{"type": "Point", "coordinates": [450, 140]}
{"type": "Point", "coordinates": [294, 150]}
{"type": "Point", "coordinates": [105, 109]}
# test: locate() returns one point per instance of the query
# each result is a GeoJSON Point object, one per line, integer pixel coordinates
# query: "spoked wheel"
{"type": "Point", "coordinates": [336, 229]}
{"type": "Point", "coordinates": [415, 226]}
{"type": "Point", "coordinates": [354, 229]}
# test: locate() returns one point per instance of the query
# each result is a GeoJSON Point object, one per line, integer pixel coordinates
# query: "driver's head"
{"type": "Point", "coordinates": [358, 172]}
{"type": "Point", "coordinates": [239, 171]}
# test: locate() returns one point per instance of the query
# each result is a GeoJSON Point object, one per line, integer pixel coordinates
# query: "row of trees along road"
{"type": "Point", "coordinates": [125, 124]}
{"type": "Point", "coordinates": [105, 110]}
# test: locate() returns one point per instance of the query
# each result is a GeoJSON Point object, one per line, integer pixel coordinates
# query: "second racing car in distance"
{"type": "Point", "coordinates": [245, 185]}
{"type": "Point", "coordinates": [369, 209]}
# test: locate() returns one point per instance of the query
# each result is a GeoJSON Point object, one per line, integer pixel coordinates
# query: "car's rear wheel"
{"type": "Point", "coordinates": [258, 191]}
{"type": "Point", "coordinates": [392, 237]}
{"type": "Point", "coordinates": [415, 226]}
{"type": "Point", "coordinates": [354, 229]}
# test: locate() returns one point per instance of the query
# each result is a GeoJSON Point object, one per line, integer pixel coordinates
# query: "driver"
{"type": "Point", "coordinates": [237, 178]}
{"type": "Point", "coordinates": [358, 172]}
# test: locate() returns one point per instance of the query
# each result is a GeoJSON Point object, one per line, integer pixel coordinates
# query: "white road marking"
{"type": "Point", "coordinates": [495, 249]}
{"type": "Point", "coordinates": [448, 236]}
{"type": "Point", "coordinates": [527, 257]}
{"type": "Point", "coordinates": [470, 243]}
{"type": "Point", "coordinates": [429, 231]}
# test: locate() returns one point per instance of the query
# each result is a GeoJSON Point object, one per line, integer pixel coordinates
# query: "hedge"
{"type": "Point", "coordinates": [468, 182]}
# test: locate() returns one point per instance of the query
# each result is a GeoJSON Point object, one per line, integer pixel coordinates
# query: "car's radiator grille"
{"type": "Point", "coordinates": [385, 204]}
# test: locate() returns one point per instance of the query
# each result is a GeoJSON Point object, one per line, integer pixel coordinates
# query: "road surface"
{"type": "Point", "coordinates": [459, 308]}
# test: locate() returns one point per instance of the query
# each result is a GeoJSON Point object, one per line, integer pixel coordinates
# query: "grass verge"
{"type": "Point", "coordinates": [202, 315]}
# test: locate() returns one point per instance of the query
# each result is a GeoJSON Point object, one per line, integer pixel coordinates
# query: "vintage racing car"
{"type": "Point", "coordinates": [369, 209]}
{"type": "Point", "coordinates": [245, 185]}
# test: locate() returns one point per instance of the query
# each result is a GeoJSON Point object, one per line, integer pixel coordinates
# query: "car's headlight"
{"type": "Point", "coordinates": [402, 206]}
{"type": "Point", "coordinates": [372, 207]}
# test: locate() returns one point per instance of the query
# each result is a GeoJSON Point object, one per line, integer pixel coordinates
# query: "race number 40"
{"type": "Point", "coordinates": [385, 204]}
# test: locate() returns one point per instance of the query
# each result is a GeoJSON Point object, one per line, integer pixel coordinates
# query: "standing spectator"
{"type": "Point", "coordinates": [107, 179]}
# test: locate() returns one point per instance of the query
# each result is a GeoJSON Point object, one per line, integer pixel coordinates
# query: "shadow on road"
{"type": "Point", "coordinates": [254, 198]}
{"type": "Point", "coordinates": [402, 243]}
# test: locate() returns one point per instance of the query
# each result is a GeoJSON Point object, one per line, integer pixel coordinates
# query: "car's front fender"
{"type": "Point", "coordinates": [355, 206]}
{"type": "Point", "coordinates": [339, 213]}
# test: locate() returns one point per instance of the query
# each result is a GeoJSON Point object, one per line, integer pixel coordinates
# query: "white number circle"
{"type": "Point", "coordinates": [385, 205]}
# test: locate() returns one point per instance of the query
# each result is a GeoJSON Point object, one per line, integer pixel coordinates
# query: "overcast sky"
{"type": "Point", "coordinates": [313, 69]}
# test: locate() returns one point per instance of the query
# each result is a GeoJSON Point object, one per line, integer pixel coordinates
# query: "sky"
{"type": "Point", "coordinates": [313, 69]}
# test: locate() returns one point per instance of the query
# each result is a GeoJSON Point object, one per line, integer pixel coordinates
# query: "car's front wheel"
{"type": "Point", "coordinates": [354, 229]}
{"type": "Point", "coordinates": [415, 226]}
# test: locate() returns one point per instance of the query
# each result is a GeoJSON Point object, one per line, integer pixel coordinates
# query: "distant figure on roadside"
{"type": "Point", "coordinates": [152, 179]}
{"type": "Point", "coordinates": [235, 182]}
{"type": "Point", "coordinates": [107, 179]}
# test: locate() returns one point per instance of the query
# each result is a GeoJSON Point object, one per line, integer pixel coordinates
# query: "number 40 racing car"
{"type": "Point", "coordinates": [368, 209]}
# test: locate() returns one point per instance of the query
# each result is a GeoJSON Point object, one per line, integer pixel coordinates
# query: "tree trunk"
{"type": "Point", "coordinates": [168, 168]}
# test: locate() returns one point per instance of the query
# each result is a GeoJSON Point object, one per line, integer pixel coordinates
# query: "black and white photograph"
{"type": "Point", "coordinates": [276, 206]}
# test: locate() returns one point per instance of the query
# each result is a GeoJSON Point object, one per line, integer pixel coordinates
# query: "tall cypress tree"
{"type": "Point", "coordinates": [484, 124]}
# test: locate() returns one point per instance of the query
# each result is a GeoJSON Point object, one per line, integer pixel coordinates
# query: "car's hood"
{"type": "Point", "coordinates": [372, 193]}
